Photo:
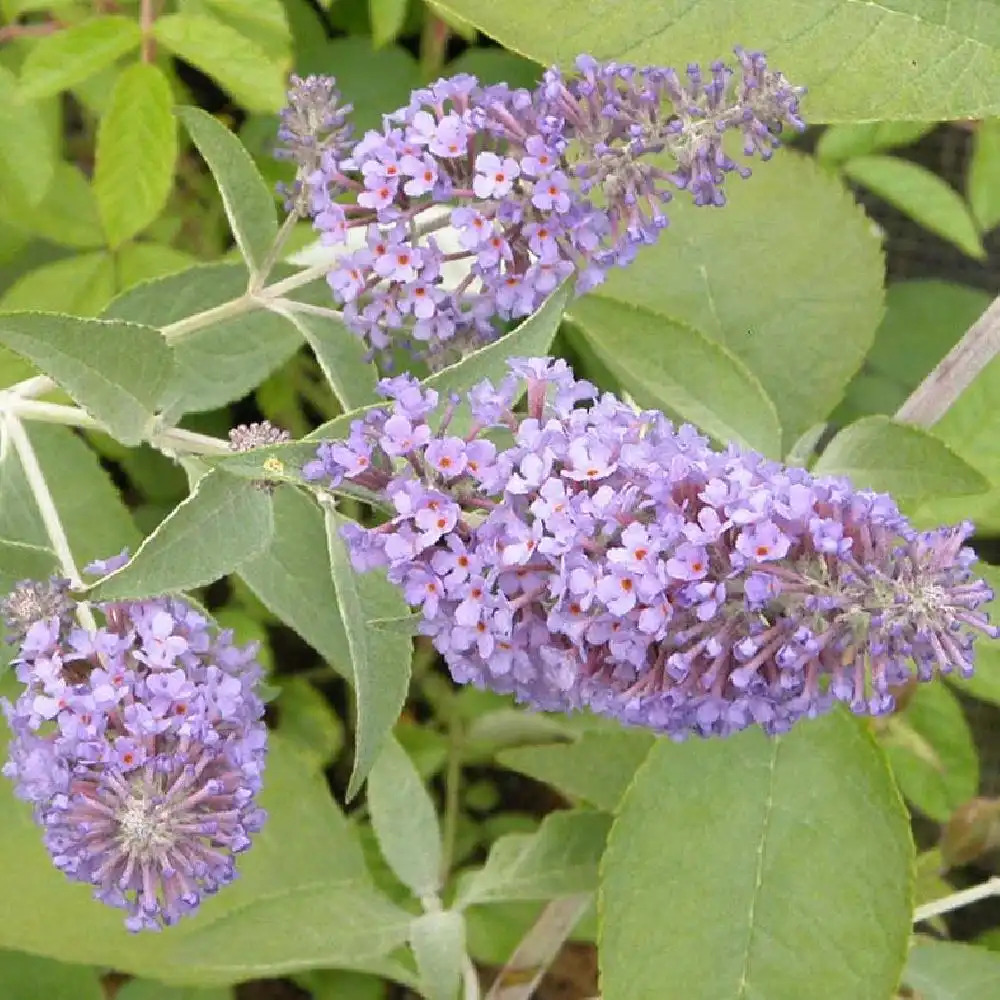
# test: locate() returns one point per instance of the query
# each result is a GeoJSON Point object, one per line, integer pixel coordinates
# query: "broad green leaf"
{"type": "Point", "coordinates": [22, 561]}
{"type": "Point", "coordinates": [146, 989]}
{"type": "Point", "coordinates": [437, 939]}
{"type": "Point", "coordinates": [387, 18]}
{"type": "Point", "coordinates": [667, 365]}
{"type": "Point", "coordinates": [842, 142]}
{"type": "Point", "coordinates": [136, 152]}
{"type": "Point", "coordinates": [939, 58]}
{"type": "Point", "coordinates": [724, 850]}
{"type": "Point", "coordinates": [223, 360]}
{"type": "Point", "coordinates": [291, 576]}
{"type": "Point", "coordinates": [26, 977]}
{"type": "Point", "coordinates": [560, 859]}
{"type": "Point", "coordinates": [932, 754]}
{"type": "Point", "coordinates": [379, 661]}
{"type": "Point", "coordinates": [923, 320]}
{"type": "Point", "coordinates": [373, 82]}
{"type": "Point", "coordinates": [923, 196]}
{"type": "Point", "coordinates": [221, 52]}
{"type": "Point", "coordinates": [116, 371]}
{"type": "Point", "coordinates": [27, 156]}
{"type": "Point", "coordinates": [303, 899]}
{"type": "Point", "coordinates": [341, 356]}
{"type": "Point", "coordinates": [737, 276]}
{"type": "Point", "coordinates": [264, 22]}
{"type": "Point", "coordinates": [223, 522]}
{"type": "Point", "coordinates": [81, 285]}
{"type": "Point", "coordinates": [598, 768]}
{"type": "Point", "coordinates": [93, 515]}
{"type": "Point", "coordinates": [65, 58]}
{"type": "Point", "coordinates": [248, 202]}
{"type": "Point", "coordinates": [308, 721]}
{"type": "Point", "coordinates": [404, 820]}
{"type": "Point", "coordinates": [878, 453]}
{"type": "Point", "coordinates": [66, 216]}
{"type": "Point", "coordinates": [947, 970]}
{"type": "Point", "coordinates": [983, 178]}
{"type": "Point", "coordinates": [139, 262]}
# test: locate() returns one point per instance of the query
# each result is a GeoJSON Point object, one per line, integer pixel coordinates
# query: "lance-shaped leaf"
{"type": "Point", "coordinates": [116, 371]}
{"type": "Point", "coordinates": [223, 522]}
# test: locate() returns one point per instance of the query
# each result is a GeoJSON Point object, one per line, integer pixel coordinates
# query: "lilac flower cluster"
{"type": "Point", "coordinates": [543, 185]}
{"type": "Point", "coordinates": [608, 560]}
{"type": "Point", "coordinates": [141, 747]}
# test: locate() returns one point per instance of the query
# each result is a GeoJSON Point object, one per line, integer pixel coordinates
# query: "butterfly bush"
{"type": "Point", "coordinates": [567, 180]}
{"type": "Point", "coordinates": [586, 555]}
{"type": "Point", "coordinates": [140, 746]}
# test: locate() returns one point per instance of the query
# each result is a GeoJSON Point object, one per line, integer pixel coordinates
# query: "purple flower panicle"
{"type": "Point", "coordinates": [540, 186]}
{"type": "Point", "coordinates": [609, 560]}
{"type": "Point", "coordinates": [141, 748]}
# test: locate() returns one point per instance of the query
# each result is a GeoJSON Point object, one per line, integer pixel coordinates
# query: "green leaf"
{"type": "Point", "coordinates": [932, 753]}
{"type": "Point", "coordinates": [947, 970]}
{"type": "Point", "coordinates": [116, 371]}
{"type": "Point", "coordinates": [438, 942]}
{"type": "Point", "coordinates": [262, 21]}
{"type": "Point", "coordinates": [221, 52]}
{"type": "Point", "coordinates": [68, 57]}
{"type": "Point", "coordinates": [248, 201]}
{"type": "Point", "coordinates": [307, 720]}
{"type": "Point", "coordinates": [878, 453]}
{"type": "Point", "coordinates": [387, 17]}
{"type": "Point", "coordinates": [404, 820]}
{"type": "Point", "coordinates": [983, 177]}
{"type": "Point", "coordinates": [724, 850]}
{"type": "Point", "coordinates": [939, 57]}
{"type": "Point", "coordinates": [666, 365]}
{"type": "Point", "coordinates": [341, 356]}
{"type": "Point", "coordinates": [222, 361]}
{"type": "Point", "coordinates": [145, 989]}
{"type": "Point", "coordinates": [26, 977]}
{"type": "Point", "coordinates": [497, 66]}
{"type": "Point", "coordinates": [66, 216]}
{"type": "Point", "coordinates": [923, 320]}
{"type": "Point", "coordinates": [223, 522]}
{"type": "Point", "coordinates": [923, 196]}
{"type": "Point", "coordinates": [139, 262]}
{"type": "Point", "coordinates": [27, 156]}
{"type": "Point", "coordinates": [842, 142]}
{"type": "Point", "coordinates": [96, 521]}
{"type": "Point", "coordinates": [291, 576]}
{"type": "Point", "coordinates": [136, 152]}
{"type": "Point", "coordinates": [379, 661]}
{"type": "Point", "coordinates": [560, 859]}
{"type": "Point", "coordinates": [303, 899]}
{"type": "Point", "coordinates": [82, 285]}
{"type": "Point", "coordinates": [21, 561]}
{"type": "Point", "coordinates": [737, 277]}
{"type": "Point", "coordinates": [598, 768]}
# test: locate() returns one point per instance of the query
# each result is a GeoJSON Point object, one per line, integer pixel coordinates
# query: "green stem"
{"type": "Point", "coordinates": [257, 283]}
{"type": "Point", "coordinates": [35, 478]}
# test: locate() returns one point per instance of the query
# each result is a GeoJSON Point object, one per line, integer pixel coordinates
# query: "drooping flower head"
{"type": "Point", "coordinates": [609, 560]}
{"type": "Point", "coordinates": [141, 748]}
{"type": "Point", "coordinates": [539, 186]}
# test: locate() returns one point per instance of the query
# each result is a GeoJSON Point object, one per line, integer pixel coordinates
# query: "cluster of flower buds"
{"type": "Point", "coordinates": [542, 185]}
{"type": "Point", "coordinates": [608, 560]}
{"type": "Point", "coordinates": [140, 746]}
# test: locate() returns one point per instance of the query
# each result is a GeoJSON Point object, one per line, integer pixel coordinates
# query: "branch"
{"type": "Point", "coordinates": [956, 371]}
{"type": "Point", "coordinates": [991, 887]}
